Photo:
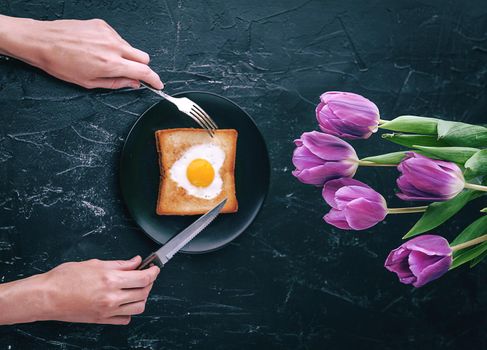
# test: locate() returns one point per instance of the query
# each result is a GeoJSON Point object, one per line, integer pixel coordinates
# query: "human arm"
{"type": "Point", "coordinates": [92, 291]}
{"type": "Point", "coordinates": [89, 53]}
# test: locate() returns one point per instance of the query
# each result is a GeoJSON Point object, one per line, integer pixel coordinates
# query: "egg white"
{"type": "Point", "coordinates": [209, 152]}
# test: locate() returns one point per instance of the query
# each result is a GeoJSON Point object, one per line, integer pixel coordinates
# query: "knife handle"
{"type": "Point", "coordinates": [147, 262]}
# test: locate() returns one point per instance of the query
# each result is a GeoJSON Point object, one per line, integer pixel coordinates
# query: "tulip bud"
{"type": "Point", "coordinates": [320, 157]}
{"type": "Point", "coordinates": [354, 205]}
{"type": "Point", "coordinates": [420, 260]}
{"type": "Point", "coordinates": [428, 179]}
{"type": "Point", "coordinates": [347, 115]}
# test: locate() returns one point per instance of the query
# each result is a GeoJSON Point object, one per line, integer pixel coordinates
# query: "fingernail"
{"type": "Point", "coordinates": [134, 258]}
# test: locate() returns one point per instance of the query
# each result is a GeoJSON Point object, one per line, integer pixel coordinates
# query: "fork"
{"type": "Point", "coordinates": [189, 108]}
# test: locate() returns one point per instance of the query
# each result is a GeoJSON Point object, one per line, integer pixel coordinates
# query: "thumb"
{"type": "Point", "coordinates": [115, 83]}
{"type": "Point", "coordinates": [124, 265]}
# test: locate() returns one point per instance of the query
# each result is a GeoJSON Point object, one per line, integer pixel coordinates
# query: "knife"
{"type": "Point", "coordinates": [175, 244]}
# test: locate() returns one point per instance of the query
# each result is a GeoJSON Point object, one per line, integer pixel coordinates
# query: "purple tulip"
{"type": "Point", "coordinates": [420, 260]}
{"type": "Point", "coordinates": [347, 115]}
{"type": "Point", "coordinates": [428, 179]}
{"type": "Point", "coordinates": [354, 205]}
{"type": "Point", "coordinates": [320, 157]}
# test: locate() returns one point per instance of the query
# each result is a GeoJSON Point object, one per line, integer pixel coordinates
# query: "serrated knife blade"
{"type": "Point", "coordinates": [175, 244]}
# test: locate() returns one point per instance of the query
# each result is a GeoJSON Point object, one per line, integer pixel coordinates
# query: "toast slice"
{"type": "Point", "coordinates": [171, 145]}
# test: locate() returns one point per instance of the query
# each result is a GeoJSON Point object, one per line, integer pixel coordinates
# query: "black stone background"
{"type": "Point", "coordinates": [290, 281]}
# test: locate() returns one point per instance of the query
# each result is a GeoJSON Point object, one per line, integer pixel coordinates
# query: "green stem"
{"type": "Point", "coordinates": [469, 243]}
{"type": "Point", "coordinates": [367, 163]}
{"type": "Point", "coordinates": [407, 210]}
{"type": "Point", "coordinates": [383, 121]}
{"type": "Point", "coordinates": [473, 186]}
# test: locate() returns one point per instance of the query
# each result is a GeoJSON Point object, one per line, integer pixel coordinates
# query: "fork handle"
{"type": "Point", "coordinates": [159, 92]}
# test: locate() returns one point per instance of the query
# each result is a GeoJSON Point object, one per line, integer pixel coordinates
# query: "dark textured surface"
{"type": "Point", "coordinates": [290, 281]}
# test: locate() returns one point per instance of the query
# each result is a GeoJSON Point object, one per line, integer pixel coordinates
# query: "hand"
{"type": "Point", "coordinates": [88, 53]}
{"type": "Point", "coordinates": [96, 291]}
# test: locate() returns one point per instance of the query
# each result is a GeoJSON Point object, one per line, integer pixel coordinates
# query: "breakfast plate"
{"type": "Point", "coordinates": [139, 171]}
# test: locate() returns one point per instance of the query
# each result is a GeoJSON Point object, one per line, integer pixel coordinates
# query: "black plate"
{"type": "Point", "coordinates": [139, 172]}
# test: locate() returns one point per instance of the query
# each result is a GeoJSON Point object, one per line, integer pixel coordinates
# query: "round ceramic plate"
{"type": "Point", "coordinates": [139, 172]}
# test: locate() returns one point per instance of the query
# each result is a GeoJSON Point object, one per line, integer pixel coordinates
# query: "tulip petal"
{"type": "Point", "coordinates": [346, 194]}
{"type": "Point", "coordinates": [428, 176]}
{"type": "Point", "coordinates": [337, 170]}
{"type": "Point", "coordinates": [442, 190]}
{"type": "Point", "coordinates": [362, 214]}
{"type": "Point", "coordinates": [442, 163]}
{"type": "Point", "coordinates": [429, 244]}
{"type": "Point", "coordinates": [319, 109]}
{"type": "Point", "coordinates": [353, 107]}
{"type": "Point", "coordinates": [420, 260]}
{"type": "Point", "coordinates": [337, 219]}
{"type": "Point", "coordinates": [303, 158]}
{"type": "Point", "coordinates": [347, 115]}
{"type": "Point", "coordinates": [428, 179]}
{"type": "Point", "coordinates": [311, 176]}
{"type": "Point", "coordinates": [320, 174]}
{"type": "Point", "coordinates": [411, 193]}
{"type": "Point", "coordinates": [332, 186]}
{"type": "Point", "coordinates": [328, 147]}
{"type": "Point", "coordinates": [353, 113]}
{"type": "Point", "coordinates": [427, 268]}
{"type": "Point", "coordinates": [397, 262]}
{"type": "Point", "coordinates": [345, 129]}
{"type": "Point", "coordinates": [405, 186]}
{"type": "Point", "coordinates": [328, 113]}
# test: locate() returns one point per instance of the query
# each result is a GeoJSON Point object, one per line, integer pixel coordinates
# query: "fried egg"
{"type": "Point", "coordinates": [198, 171]}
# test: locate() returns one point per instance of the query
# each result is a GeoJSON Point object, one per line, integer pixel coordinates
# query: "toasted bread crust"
{"type": "Point", "coordinates": [171, 144]}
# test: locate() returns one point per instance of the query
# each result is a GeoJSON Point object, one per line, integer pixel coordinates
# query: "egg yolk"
{"type": "Point", "coordinates": [200, 173]}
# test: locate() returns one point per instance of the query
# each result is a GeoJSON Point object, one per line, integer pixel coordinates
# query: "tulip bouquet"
{"type": "Point", "coordinates": [445, 164]}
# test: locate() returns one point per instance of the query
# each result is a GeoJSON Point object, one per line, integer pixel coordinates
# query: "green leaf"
{"type": "Point", "coordinates": [414, 140]}
{"type": "Point", "coordinates": [483, 210]}
{"type": "Point", "coordinates": [469, 255]}
{"type": "Point", "coordinates": [412, 124]}
{"type": "Point", "coordinates": [474, 230]}
{"type": "Point", "coordinates": [388, 158]}
{"type": "Point", "coordinates": [438, 212]}
{"type": "Point", "coordinates": [477, 164]}
{"type": "Point", "coordinates": [462, 134]}
{"type": "Point", "coordinates": [478, 259]}
{"type": "Point", "coordinates": [453, 154]}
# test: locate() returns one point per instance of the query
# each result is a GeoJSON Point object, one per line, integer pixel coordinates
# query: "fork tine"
{"type": "Point", "coordinates": [202, 124]}
{"type": "Point", "coordinates": [198, 115]}
{"type": "Point", "coordinates": [202, 119]}
{"type": "Point", "coordinates": [199, 123]}
{"type": "Point", "coordinates": [208, 118]}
